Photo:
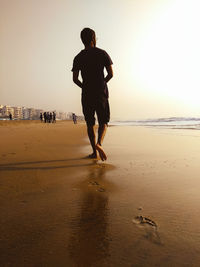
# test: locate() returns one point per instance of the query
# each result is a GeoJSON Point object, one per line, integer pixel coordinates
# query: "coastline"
{"type": "Point", "coordinates": [59, 208]}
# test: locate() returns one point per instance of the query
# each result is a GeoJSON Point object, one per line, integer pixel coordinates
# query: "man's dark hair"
{"type": "Point", "coordinates": [87, 35]}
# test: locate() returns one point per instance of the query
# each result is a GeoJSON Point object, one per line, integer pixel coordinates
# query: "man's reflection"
{"type": "Point", "coordinates": [89, 242]}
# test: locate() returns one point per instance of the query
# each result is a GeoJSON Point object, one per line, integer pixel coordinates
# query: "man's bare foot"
{"type": "Point", "coordinates": [93, 156]}
{"type": "Point", "coordinates": [101, 152]}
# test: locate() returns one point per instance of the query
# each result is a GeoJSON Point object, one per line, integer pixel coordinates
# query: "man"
{"type": "Point", "coordinates": [74, 118]}
{"type": "Point", "coordinates": [41, 117]}
{"type": "Point", "coordinates": [91, 63]}
{"type": "Point", "coordinates": [54, 117]}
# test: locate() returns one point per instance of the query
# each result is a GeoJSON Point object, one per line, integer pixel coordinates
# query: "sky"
{"type": "Point", "coordinates": [154, 46]}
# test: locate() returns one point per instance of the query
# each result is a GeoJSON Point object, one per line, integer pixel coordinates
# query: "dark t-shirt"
{"type": "Point", "coordinates": [91, 63]}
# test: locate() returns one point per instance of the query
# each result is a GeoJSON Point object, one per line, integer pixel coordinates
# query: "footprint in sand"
{"type": "Point", "coordinates": [143, 220]}
{"type": "Point", "coordinates": [150, 227]}
{"type": "Point", "coordinates": [93, 183]}
{"type": "Point", "coordinates": [101, 189]}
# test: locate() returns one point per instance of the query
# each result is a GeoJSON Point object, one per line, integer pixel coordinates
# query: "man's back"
{"type": "Point", "coordinates": [91, 63]}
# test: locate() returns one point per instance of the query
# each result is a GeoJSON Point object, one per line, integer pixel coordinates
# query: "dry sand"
{"type": "Point", "coordinates": [61, 209]}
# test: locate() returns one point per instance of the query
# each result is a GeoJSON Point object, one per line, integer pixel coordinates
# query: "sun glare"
{"type": "Point", "coordinates": [169, 57]}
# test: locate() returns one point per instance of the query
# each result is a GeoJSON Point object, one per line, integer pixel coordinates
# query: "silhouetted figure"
{"type": "Point", "coordinates": [74, 118]}
{"type": "Point", "coordinates": [91, 62]}
{"type": "Point", "coordinates": [54, 117]}
{"type": "Point", "coordinates": [41, 117]}
{"type": "Point", "coordinates": [10, 116]}
{"type": "Point", "coordinates": [50, 117]}
{"type": "Point", "coordinates": [45, 117]}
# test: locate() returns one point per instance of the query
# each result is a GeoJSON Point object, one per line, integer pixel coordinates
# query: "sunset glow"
{"type": "Point", "coordinates": [154, 46]}
{"type": "Point", "coordinates": [169, 58]}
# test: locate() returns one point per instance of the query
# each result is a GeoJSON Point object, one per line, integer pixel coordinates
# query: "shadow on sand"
{"type": "Point", "coordinates": [51, 164]}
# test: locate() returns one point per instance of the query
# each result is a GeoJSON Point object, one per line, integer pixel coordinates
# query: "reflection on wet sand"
{"type": "Point", "coordinates": [89, 242]}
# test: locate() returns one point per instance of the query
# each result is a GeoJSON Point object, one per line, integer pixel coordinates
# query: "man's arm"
{"type": "Point", "coordinates": [75, 78]}
{"type": "Point", "coordinates": [110, 73]}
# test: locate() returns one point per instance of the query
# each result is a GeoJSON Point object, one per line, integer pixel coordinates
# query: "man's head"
{"type": "Point", "coordinates": [88, 37]}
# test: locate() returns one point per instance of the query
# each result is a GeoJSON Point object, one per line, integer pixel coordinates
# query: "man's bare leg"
{"type": "Point", "coordinates": [92, 138]}
{"type": "Point", "coordinates": [101, 134]}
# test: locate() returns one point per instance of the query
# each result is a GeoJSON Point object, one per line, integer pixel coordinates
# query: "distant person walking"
{"type": "Point", "coordinates": [54, 117]}
{"type": "Point", "coordinates": [41, 117]}
{"type": "Point", "coordinates": [50, 117]}
{"type": "Point", "coordinates": [91, 62]}
{"type": "Point", "coordinates": [10, 116]}
{"type": "Point", "coordinates": [74, 118]}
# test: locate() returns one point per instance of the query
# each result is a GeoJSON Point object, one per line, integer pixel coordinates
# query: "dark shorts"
{"type": "Point", "coordinates": [99, 105]}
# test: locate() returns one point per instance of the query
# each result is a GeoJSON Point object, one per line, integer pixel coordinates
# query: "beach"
{"type": "Point", "coordinates": [58, 208]}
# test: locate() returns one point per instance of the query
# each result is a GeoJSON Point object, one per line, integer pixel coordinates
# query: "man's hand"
{"type": "Point", "coordinates": [110, 73]}
{"type": "Point", "coordinates": [76, 80]}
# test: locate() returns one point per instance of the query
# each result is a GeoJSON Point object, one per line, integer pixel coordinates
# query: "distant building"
{"type": "Point", "coordinates": [7, 110]}
{"type": "Point", "coordinates": [25, 113]}
{"type": "Point", "coordinates": [17, 113]}
{"type": "Point", "coordinates": [1, 110]}
{"type": "Point", "coordinates": [31, 113]}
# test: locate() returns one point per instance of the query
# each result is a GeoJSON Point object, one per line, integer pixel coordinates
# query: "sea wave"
{"type": "Point", "coordinates": [172, 123]}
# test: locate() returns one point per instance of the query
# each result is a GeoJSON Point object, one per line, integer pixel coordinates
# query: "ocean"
{"type": "Point", "coordinates": [169, 123]}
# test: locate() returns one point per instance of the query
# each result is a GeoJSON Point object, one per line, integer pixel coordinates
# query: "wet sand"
{"type": "Point", "coordinates": [139, 208]}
